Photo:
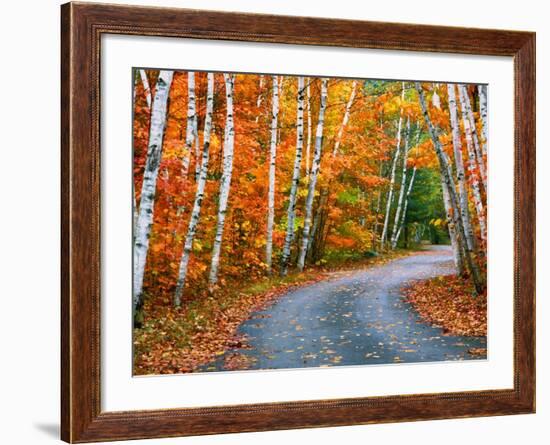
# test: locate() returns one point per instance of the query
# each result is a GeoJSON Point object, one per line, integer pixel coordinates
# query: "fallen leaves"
{"type": "Point", "coordinates": [450, 303]}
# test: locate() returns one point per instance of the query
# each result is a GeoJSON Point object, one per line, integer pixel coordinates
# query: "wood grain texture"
{"type": "Point", "coordinates": [82, 26]}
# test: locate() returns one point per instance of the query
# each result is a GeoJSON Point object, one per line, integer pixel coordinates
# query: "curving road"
{"type": "Point", "coordinates": [356, 319]}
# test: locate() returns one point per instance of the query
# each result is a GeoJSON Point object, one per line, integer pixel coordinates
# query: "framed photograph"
{"type": "Point", "coordinates": [274, 222]}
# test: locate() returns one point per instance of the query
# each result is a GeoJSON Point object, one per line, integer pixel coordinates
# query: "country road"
{"type": "Point", "coordinates": [355, 318]}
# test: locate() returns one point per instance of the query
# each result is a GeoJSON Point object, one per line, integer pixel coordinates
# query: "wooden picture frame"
{"type": "Point", "coordinates": [82, 26]}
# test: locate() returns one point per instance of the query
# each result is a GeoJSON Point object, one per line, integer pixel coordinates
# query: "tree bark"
{"type": "Point", "coordinates": [272, 165]}
{"type": "Point", "coordinates": [392, 175]}
{"type": "Point", "coordinates": [148, 189]}
{"type": "Point", "coordinates": [308, 144]}
{"type": "Point", "coordinates": [291, 211]}
{"type": "Point", "coordinates": [452, 227]}
{"type": "Point", "coordinates": [396, 220]}
{"type": "Point", "coordinates": [473, 171]}
{"type": "Point", "coordinates": [406, 204]}
{"type": "Point", "coordinates": [199, 194]}
{"type": "Point", "coordinates": [482, 91]}
{"type": "Point", "coordinates": [191, 111]}
{"type": "Point", "coordinates": [446, 177]}
{"type": "Point", "coordinates": [313, 176]}
{"type": "Point", "coordinates": [468, 116]}
{"type": "Point", "coordinates": [260, 97]}
{"type": "Point", "coordinates": [345, 119]}
{"type": "Point", "coordinates": [197, 146]}
{"type": "Point", "coordinates": [228, 145]}
{"type": "Point", "coordinates": [459, 163]}
{"type": "Point", "coordinates": [146, 87]}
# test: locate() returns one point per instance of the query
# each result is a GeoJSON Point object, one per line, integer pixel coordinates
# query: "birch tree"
{"type": "Point", "coordinates": [313, 176]}
{"type": "Point", "coordinates": [148, 188]}
{"type": "Point", "coordinates": [322, 208]}
{"type": "Point", "coordinates": [469, 122]}
{"type": "Point", "coordinates": [446, 177]}
{"type": "Point", "coordinates": [406, 203]}
{"type": "Point", "coordinates": [308, 143]}
{"type": "Point", "coordinates": [459, 164]}
{"type": "Point", "coordinates": [146, 88]}
{"type": "Point", "coordinates": [260, 96]}
{"type": "Point", "coordinates": [272, 165]}
{"type": "Point", "coordinates": [291, 211]}
{"type": "Point", "coordinates": [191, 111]}
{"type": "Point", "coordinates": [401, 196]}
{"type": "Point", "coordinates": [392, 174]}
{"type": "Point", "coordinates": [473, 171]}
{"type": "Point", "coordinates": [345, 119]}
{"type": "Point", "coordinates": [482, 91]}
{"type": "Point", "coordinates": [197, 145]}
{"type": "Point", "coordinates": [228, 145]}
{"type": "Point", "coordinates": [452, 227]}
{"type": "Point", "coordinates": [199, 194]}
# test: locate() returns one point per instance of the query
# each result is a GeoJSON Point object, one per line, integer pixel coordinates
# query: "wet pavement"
{"type": "Point", "coordinates": [359, 318]}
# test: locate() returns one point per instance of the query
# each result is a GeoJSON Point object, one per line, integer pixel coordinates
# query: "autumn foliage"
{"type": "Point", "coordinates": [348, 206]}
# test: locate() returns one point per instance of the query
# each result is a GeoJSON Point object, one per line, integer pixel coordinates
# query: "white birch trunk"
{"type": "Point", "coordinates": [291, 211]}
{"type": "Point", "coordinates": [148, 189]}
{"type": "Point", "coordinates": [482, 91]}
{"type": "Point", "coordinates": [146, 87]}
{"type": "Point", "coordinates": [392, 175]}
{"type": "Point", "coordinates": [401, 196]}
{"type": "Point", "coordinates": [191, 111]}
{"type": "Point", "coordinates": [197, 146]}
{"type": "Point", "coordinates": [229, 141]}
{"type": "Point", "coordinates": [406, 204]}
{"type": "Point", "coordinates": [345, 119]}
{"type": "Point", "coordinates": [313, 176]}
{"type": "Point", "coordinates": [447, 178]}
{"type": "Point", "coordinates": [260, 97]}
{"type": "Point", "coordinates": [199, 195]}
{"type": "Point", "coordinates": [459, 163]}
{"type": "Point", "coordinates": [455, 243]}
{"type": "Point", "coordinates": [467, 111]}
{"type": "Point", "coordinates": [272, 165]}
{"type": "Point", "coordinates": [472, 164]}
{"type": "Point", "coordinates": [308, 144]}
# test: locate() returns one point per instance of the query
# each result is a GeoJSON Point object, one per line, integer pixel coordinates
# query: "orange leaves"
{"type": "Point", "coordinates": [450, 302]}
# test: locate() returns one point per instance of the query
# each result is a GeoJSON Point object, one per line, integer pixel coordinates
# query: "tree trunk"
{"type": "Point", "coordinates": [452, 227]}
{"type": "Point", "coordinates": [148, 188]}
{"type": "Point", "coordinates": [345, 120]}
{"type": "Point", "coordinates": [260, 97]}
{"type": "Point", "coordinates": [228, 144]}
{"type": "Point", "coordinates": [191, 111]}
{"type": "Point", "coordinates": [474, 177]}
{"type": "Point", "coordinates": [446, 176]}
{"type": "Point", "coordinates": [199, 195]}
{"type": "Point", "coordinates": [291, 212]}
{"type": "Point", "coordinates": [405, 205]}
{"type": "Point", "coordinates": [459, 163]}
{"type": "Point", "coordinates": [272, 165]}
{"type": "Point", "coordinates": [146, 87]}
{"type": "Point", "coordinates": [315, 242]}
{"type": "Point", "coordinates": [313, 176]}
{"type": "Point", "coordinates": [482, 91]}
{"type": "Point", "coordinates": [197, 146]}
{"type": "Point", "coordinates": [308, 144]}
{"type": "Point", "coordinates": [396, 220]}
{"type": "Point", "coordinates": [468, 116]}
{"type": "Point", "coordinates": [392, 175]}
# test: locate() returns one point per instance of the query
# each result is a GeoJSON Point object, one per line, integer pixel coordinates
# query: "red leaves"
{"type": "Point", "coordinates": [450, 302]}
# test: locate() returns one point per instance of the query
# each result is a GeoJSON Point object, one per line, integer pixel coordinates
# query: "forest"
{"type": "Point", "coordinates": [249, 185]}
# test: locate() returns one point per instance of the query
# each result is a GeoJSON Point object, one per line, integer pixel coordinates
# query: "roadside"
{"type": "Point", "coordinates": [180, 340]}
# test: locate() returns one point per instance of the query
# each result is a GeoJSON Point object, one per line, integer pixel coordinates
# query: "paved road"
{"type": "Point", "coordinates": [356, 319]}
